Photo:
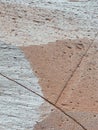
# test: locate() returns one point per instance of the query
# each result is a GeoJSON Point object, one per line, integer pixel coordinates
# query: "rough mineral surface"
{"type": "Point", "coordinates": [19, 108]}
{"type": "Point", "coordinates": [41, 21]}
{"type": "Point", "coordinates": [50, 48]}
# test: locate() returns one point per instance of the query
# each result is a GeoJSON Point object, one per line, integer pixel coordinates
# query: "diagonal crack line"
{"type": "Point", "coordinates": [65, 86]}
{"type": "Point", "coordinates": [57, 107]}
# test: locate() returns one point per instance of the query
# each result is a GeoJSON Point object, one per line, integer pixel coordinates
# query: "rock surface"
{"type": "Point", "coordinates": [19, 108]}
{"type": "Point", "coordinates": [55, 63]}
{"type": "Point", "coordinates": [66, 66]}
{"type": "Point", "coordinates": [46, 21]}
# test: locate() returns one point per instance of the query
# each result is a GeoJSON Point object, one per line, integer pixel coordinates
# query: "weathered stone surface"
{"type": "Point", "coordinates": [19, 108]}
{"type": "Point", "coordinates": [41, 22]}
{"type": "Point", "coordinates": [57, 121]}
{"type": "Point", "coordinates": [27, 22]}
{"type": "Point", "coordinates": [80, 97]}
{"type": "Point", "coordinates": [55, 63]}
{"type": "Point", "coordinates": [14, 65]}
{"type": "Point", "coordinates": [88, 119]}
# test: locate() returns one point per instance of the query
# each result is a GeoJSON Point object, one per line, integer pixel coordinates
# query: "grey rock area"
{"type": "Point", "coordinates": [19, 108]}
{"type": "Point", "coordinates": [14, 65]}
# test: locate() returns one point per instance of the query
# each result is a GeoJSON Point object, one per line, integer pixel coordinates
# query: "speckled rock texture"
{"type": "Point", "coordinates": [55, 63]}
{"type": "Point", "coordinates": [19, 108]}
{"type": "Point", "coordinates": [80, 97]}
{"type": "Point", "coordinates": [40, 22]}
{"type": "Point", "coordinates": [68, 76]}
{"type": "Point", "coordinates": [48, 64]}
